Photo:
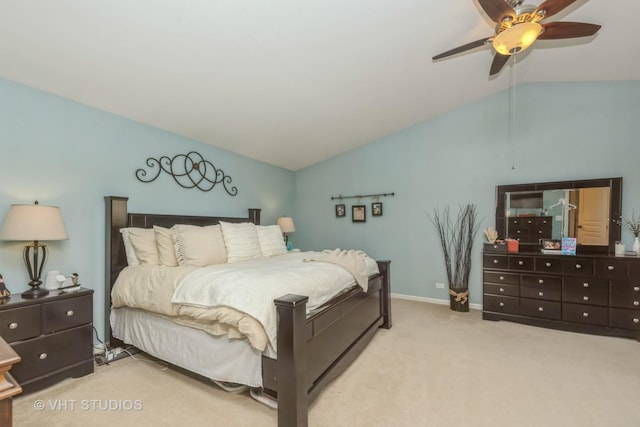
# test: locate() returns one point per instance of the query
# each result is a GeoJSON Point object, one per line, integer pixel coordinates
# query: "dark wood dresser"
{"type": "Point", "coordinates": [597, 294]}
{"type": "Point", "coordinates": [53, 335]}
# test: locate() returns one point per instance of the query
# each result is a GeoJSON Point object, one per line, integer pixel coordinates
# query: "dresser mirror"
{"type": "Point", "coordinates": [586, 209]}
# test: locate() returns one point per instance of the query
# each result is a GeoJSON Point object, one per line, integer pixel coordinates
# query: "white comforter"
{"type": "Point", "coordinates": [250, 287]}
{"type": "Point", "coordinates": [234, 299]}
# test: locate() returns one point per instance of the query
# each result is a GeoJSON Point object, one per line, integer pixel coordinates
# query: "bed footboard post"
{"type": "Point", "coordinates": [385, 269]}
{"type": "Point", "coordinates": [291, 364]}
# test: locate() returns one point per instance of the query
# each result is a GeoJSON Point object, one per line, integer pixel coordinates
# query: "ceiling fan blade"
{"type": "Point", "coordinates": [567, 30]}
{"type": "Point", "coordinates": [551, 7]}
{"type": "Point", "coordinates": [463, 48]}
{"type": "Point", "coordinates": [497, 9]}
{"type": "Point", "coordinates": [499, 61]}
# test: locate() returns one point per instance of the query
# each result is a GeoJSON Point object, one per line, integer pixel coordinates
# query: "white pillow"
{"type": "Point", "coordinates": [199, 246]}
{"type": "Point", "coordinates": [143, 241]}
{"type": "Point", "coordinates": [129, 251]}
{"type": "Point", "coordinates": [241, 241]}
{"type": "Point", "coordinates": [164, 242]}
{"type": "Point", "coordinates": [271, 240]}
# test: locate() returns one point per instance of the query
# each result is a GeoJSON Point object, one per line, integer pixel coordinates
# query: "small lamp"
{"type": "Point", "coordinates": [287, 226]}
{"type": "Point", "coordinates": [34, 223]}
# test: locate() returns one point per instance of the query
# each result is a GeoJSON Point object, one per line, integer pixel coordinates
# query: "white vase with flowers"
{"type": "Point", "coordinates": [632, 223]}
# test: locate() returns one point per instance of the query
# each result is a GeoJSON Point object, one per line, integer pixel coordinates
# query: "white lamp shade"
{"type": "Point", "coordinates": [33, 222]}
{"type": "Point", "coordinates": [286, 224]}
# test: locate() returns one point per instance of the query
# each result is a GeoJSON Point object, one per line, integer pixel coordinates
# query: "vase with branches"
{"type": "Point", "coordinates": [632, 223]}
{"type": "Point", "coordinates": [456, 239]}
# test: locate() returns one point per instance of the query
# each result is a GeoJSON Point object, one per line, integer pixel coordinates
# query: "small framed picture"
{"type": "Point", "coordinates": [376, 209]}
{"type": "Point", "coordinates": [358, 213]}
{"type": "Point", "coordinates": [551, 244]}
{"type": "Point", "coordinates": [340, 211]}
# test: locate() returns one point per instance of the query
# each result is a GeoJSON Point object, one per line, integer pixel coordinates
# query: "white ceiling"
{"type": "Point", "coordinates": [289, 82]}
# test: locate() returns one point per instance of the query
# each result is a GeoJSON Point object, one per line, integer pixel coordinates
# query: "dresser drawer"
{"type": "Point", "coordinates": [522, 263]}
{"type": "Point", "coordinates": [588, 314]}
{"type": "Point", "coordinates": [498, 289]}
{"type": "Point", "coordinates": [625, 319]}
{"type": "Point", "coordinates": [546, 292]}
{"type": "Point", "coordinates": [500, 304]}
{"type": "Point", "coordinates": [494, 261]}
{"type": "Point", "coordinates": [20, 323]}
{"type": "Point", "coordinates": [586, 290]}
{"type": "Point", "coordinates": [67, 313]}
{"type": "Point", "coordinates": [539, 280]}
{"type": "Point", "coordinates": [578, 266]}
{"type": "Point", "coordinates": [625, 293]}
{"type": "Point", "coordinates": [611, 268]}
{"type": "Point", "coordinates": [549, 265]}
{"type": "Point", "coordinates": [540, 308]}
{"type": "Point", "coordinates": [502, 278]}
{"type": "Point", "coordinates": [44, 355]}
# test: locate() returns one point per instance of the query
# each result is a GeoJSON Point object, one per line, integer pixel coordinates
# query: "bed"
{"type": "Point", "coordinates": [312, 348]}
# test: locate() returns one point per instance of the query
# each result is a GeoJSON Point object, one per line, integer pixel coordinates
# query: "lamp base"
{"type": "Point", "coordinates": [35, 292]}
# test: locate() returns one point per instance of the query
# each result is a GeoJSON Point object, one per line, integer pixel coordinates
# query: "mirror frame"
{"type": "Point", "coordinates": [615, 209]}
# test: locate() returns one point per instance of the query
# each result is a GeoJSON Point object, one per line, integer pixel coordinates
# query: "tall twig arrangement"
{"type": "Point", "coordinates": [456, 238]}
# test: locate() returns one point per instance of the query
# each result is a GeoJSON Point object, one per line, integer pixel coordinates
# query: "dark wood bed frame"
{"type": "Point", "coordinates": [312, 350]}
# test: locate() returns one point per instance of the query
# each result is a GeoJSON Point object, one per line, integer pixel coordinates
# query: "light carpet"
{"type": "Point", "coordinates": [435, 367]}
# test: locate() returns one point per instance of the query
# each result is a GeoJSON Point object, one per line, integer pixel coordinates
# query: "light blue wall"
{"type": "Point", "coordinates": [563, 131]}
{"type": "Point", "coordinates": [65, 154]}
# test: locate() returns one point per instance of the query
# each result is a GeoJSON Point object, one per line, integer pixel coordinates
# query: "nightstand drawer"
{"type": "Point", "coordinates": [20, 323]}
{"type": "Point", "coordinates": [67, 313]}
{"type": "Point", "coordinates": [44, 355]}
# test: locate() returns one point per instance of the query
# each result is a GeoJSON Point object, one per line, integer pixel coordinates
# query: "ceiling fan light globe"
{"type": "Point", "coordinates": [517, 38]}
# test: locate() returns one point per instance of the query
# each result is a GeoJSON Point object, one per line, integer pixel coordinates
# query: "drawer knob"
{"type": "Point", "coordinates": [541, 293]}
{"type": "Point", "coordinates": [540, 232]}
{"type": "Point", "coordinates": [585, 314]}
{"type": "Point", "coordinates": [43, 356]}
{"type": "Point", "coordinates": [585, 298]}
{"type": "Point", "coordinates": [540, 308]}
{"type": "Point", "coordinates": [520, 262]}
{"type": "Point", "coordinates": [501, 304]}
{"type": "Point", "coordinates": [636, 320]}
{"type": "Point", "coordinates": [69, 313]}
{"type": "Point", "coordinates": [610, 268]}
{"type": "Point", "coordinates": [578, 266]}
{"type": "Point", "coordinates": [548, 264]}
{"type": "Point", "coordinates": [541, 281]}
{"type": "Point", "coordinates": [501, 289]}
{"type": "Point", "coordinates": [13, 325]}
{"type": "Point", "coordinates": [495, 261]}
{"type": "Point", "coordinates": [636, 303]}
{"type": "Point", "coordinates": [501, 277]}
{"type": "Point", "coordinates": [585, 285]}
{"type": "Point", "coordinates": [636, 288]}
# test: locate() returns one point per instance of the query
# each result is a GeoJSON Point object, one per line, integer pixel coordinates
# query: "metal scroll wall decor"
{"type": "Point", "coordinates": [189, 170]}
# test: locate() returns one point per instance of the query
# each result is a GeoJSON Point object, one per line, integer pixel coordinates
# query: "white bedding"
{"type": "Point", "coordinates": [236, 299]}
{"type": "Point", "coordinates": [251, 286]}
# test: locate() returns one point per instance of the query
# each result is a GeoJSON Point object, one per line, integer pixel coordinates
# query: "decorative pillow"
{"type": "Point", "coordinates": [241, 241]}
{"type": "Point", "coordinates": [143, 241]}
{"type": "Point", "coordinates": [164, 242]}
{"type": "Point", "coordinates": [271, 240]}
{"type": "Point", "coordinates": [199, 246]}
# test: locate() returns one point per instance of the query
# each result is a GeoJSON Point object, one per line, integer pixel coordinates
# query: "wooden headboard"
{"type": "Point", "coordinates": [117, 217]}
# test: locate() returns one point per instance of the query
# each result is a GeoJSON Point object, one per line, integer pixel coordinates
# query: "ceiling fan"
{"type": "Point", "coordinates": [518, 26]}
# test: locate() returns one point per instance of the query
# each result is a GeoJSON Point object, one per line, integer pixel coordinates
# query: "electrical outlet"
{"type": "Point", "coordinates": [440, 285]}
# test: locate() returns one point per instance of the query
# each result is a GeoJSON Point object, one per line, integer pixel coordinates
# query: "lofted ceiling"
{"type": "Point", "coordinates": [290, 82]}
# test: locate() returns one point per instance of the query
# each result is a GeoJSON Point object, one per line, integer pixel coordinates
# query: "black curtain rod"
{"type": "Point", "coordinates": [362, 196]}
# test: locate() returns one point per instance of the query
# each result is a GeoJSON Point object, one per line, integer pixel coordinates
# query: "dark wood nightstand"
{"type": "Point", "coordinates": [53, 335]}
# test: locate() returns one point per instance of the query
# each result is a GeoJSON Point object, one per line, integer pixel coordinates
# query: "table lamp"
{"type": "Point", "coordinates": [287, 226]}
{"type": "Point", "coordinates": [34, 223]}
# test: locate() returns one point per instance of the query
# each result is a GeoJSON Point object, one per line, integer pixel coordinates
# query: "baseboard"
{"type": "Point", "coordinates": [431, 300]}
